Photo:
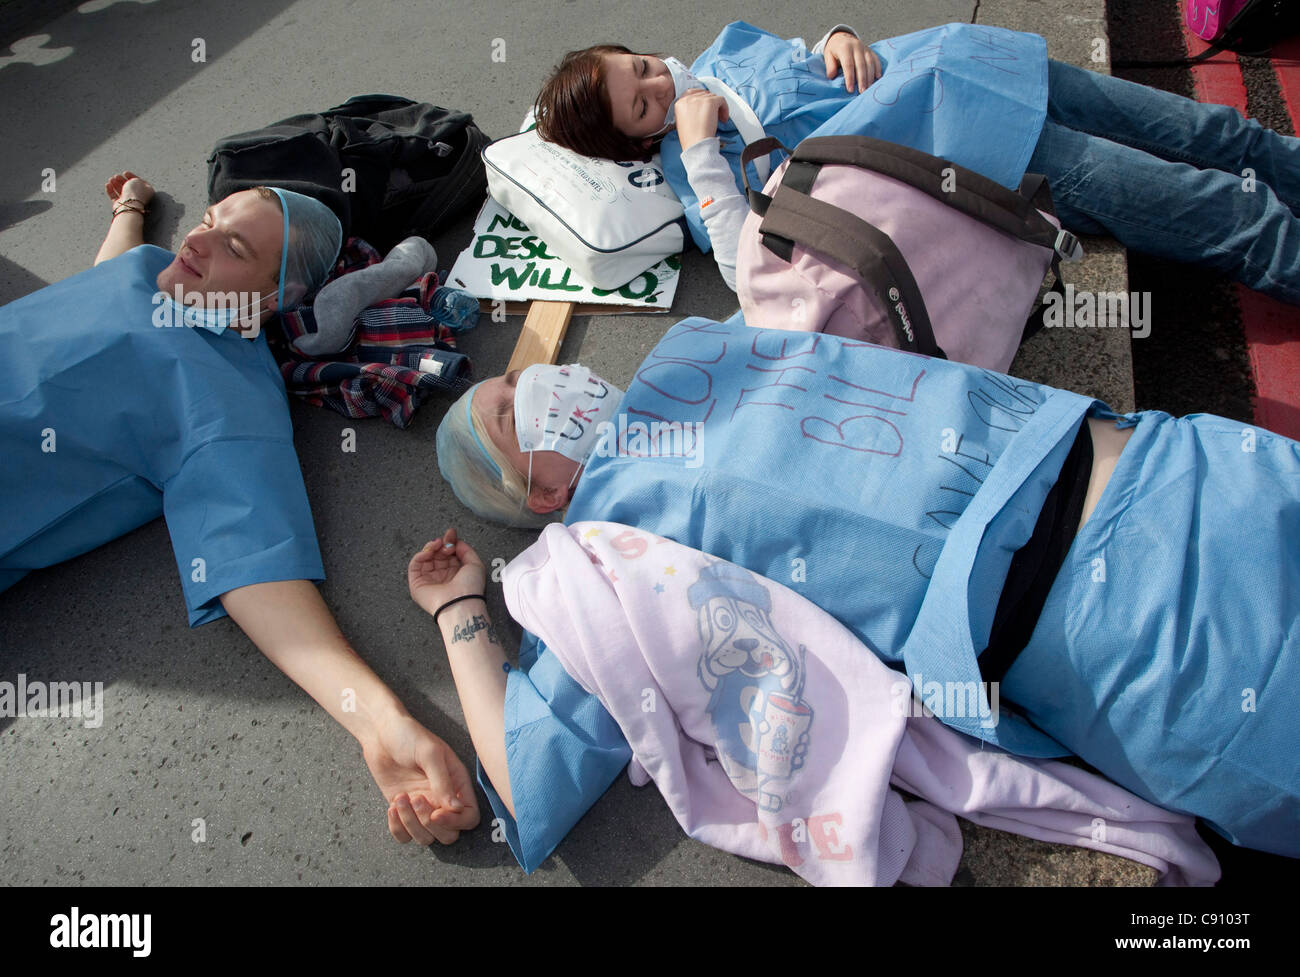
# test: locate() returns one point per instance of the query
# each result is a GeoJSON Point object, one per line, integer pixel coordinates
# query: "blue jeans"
{"type": "Point", "coordinates": [1165, 175]}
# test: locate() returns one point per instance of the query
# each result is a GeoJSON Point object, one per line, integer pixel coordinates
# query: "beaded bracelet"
{"type": "Point", "coordinates": [122, 207]}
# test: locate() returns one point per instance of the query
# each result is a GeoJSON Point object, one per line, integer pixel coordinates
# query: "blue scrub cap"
{"type": "Point", "coordinates": [478, 473]}
{"type": "Point", "coordinates": [312, 238]}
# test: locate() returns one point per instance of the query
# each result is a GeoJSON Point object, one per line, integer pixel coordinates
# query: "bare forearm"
{"type": "Point", "coordinates": [478, 667]}
{"type": "Point", "coordinates": [126, 232]}
{"type": "Point", "coordinates": [290, 624]}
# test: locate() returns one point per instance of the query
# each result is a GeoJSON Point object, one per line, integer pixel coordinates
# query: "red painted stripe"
{"type": "Point", "coordinates": [1272, 328]}
{"type": "Point", "coordinates": [1272, 331]}
{"type": "Point", "coordinates": [1218, 79]}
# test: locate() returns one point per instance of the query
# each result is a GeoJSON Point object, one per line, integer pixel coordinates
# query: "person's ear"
{"type": "Point", "coordinates": [542, 500]}
{"type": "Point", "coordinates": [265, 309]}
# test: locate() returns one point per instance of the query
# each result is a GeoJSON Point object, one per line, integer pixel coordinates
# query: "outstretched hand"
{"type": "Point", "coordinates": [444, 569]}
{"type": "Point", "coordinates": [860, 65]}
{"type": "Point", "coordinates": [429, 792]}
{"type": "Point", "coordinates": [127, 186]}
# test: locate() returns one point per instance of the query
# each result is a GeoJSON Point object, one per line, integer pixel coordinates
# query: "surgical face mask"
{"type": "Point", "coordinates": [561, 408]}
{"type": "Point", "coordinates": [216, 319]}
{"type": "Point", "coordinates": [683, 82]}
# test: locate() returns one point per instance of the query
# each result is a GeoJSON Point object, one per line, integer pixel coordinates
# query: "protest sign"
{"type": "Point", "coordinates": [505, 260]}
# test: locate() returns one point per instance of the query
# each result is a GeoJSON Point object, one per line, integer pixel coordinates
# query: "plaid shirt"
{"type": "Point", "coordinates": [379, 374]}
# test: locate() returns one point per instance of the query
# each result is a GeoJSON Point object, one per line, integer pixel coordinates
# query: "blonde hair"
{"type": "Point", "coordinates": [479, 474]}
{"type": "Point", "coordinates": [513, 483]}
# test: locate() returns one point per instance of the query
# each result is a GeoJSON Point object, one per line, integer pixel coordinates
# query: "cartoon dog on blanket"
{"type": "Point", "coordinates": [762, 724]}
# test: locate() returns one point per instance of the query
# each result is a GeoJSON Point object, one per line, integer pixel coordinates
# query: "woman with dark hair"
{"type": "Point", "coordinates": [1162, 174]}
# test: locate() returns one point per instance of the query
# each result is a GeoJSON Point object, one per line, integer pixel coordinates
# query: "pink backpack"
{"type": "Point", "coordinates": [1246, 26]}
{"type": "Point", "coordinates": [878, 242]}
{"type": "Point", "coordinates": [1207, 18]}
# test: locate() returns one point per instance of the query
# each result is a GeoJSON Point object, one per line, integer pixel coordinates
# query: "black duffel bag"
{"type": "Point", "coordinates": [389, 167]}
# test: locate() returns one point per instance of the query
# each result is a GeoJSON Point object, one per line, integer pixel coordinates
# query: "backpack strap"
{"type": "Point", "coordinates": [971, 193]}
{"type": "Point", "coordinates": [1033, 187]}
{"type": "Point", "coordinates": [870, 252]}
{"type": "Point", "coordinates": [795, 217]}
{"type": "Point", "coordinates": [758, 201]}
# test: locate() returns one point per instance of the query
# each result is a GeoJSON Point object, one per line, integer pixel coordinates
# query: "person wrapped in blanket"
{"type": "Point", "coordinates": [1117, 587]}
{"type": "Point", "coordinates": [1161, 173]}
{"type": "Point", "coordinates": [144, 387]}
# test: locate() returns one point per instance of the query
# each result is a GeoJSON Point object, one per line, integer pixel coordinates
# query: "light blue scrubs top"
{"type": "Point", "coordinates": [563, 750]}
{"type": "Point", "coordinates": [108, 421]}
{"type": "Point", "coordinates": [856, 475]}
{"type": "Point", "coordinates": [974, 95]}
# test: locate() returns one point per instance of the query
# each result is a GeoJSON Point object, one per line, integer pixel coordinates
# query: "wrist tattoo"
{"type": "Point", "coordinates": [476, 623]}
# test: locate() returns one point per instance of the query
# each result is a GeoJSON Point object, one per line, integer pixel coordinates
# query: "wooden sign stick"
{"type": "Point", "coordinates": [543, 332]}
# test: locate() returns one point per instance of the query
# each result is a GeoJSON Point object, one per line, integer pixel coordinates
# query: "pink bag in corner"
{"type": "Point", "coordinates": [1208, 18]}
{"type": "Point", "coordinates": [878, 242]}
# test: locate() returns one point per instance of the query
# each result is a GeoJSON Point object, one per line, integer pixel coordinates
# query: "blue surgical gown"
{"type": "Point", "coordinates": [108, 421]}
{"type": "Point", "coordinates": [563, 750]}
{"type": "Point", "coordinates": [892, 490]}
{"type": "Point", "coordinates": [971, 94]}
{"type": "Point", "coordinates": [887, 451]}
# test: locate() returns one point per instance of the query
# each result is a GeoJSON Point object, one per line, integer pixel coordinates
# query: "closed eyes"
{"type": "Point", "coordinates": [230, 244]}
{"type": "Point", "coordinates": [645, 70]}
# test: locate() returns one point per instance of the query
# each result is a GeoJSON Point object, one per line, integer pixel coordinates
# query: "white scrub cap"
{"type": "Point", "coordinates": [478, 473]}
{"type": "Point", "coordinates": [312, 238]}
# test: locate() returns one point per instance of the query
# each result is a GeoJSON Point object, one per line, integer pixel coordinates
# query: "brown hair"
{"type": "Point", "coordinates": [573, 108]}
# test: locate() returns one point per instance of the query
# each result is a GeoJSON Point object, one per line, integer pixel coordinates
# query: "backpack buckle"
{"type": "Point", "coordinates": [1069, 247]}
